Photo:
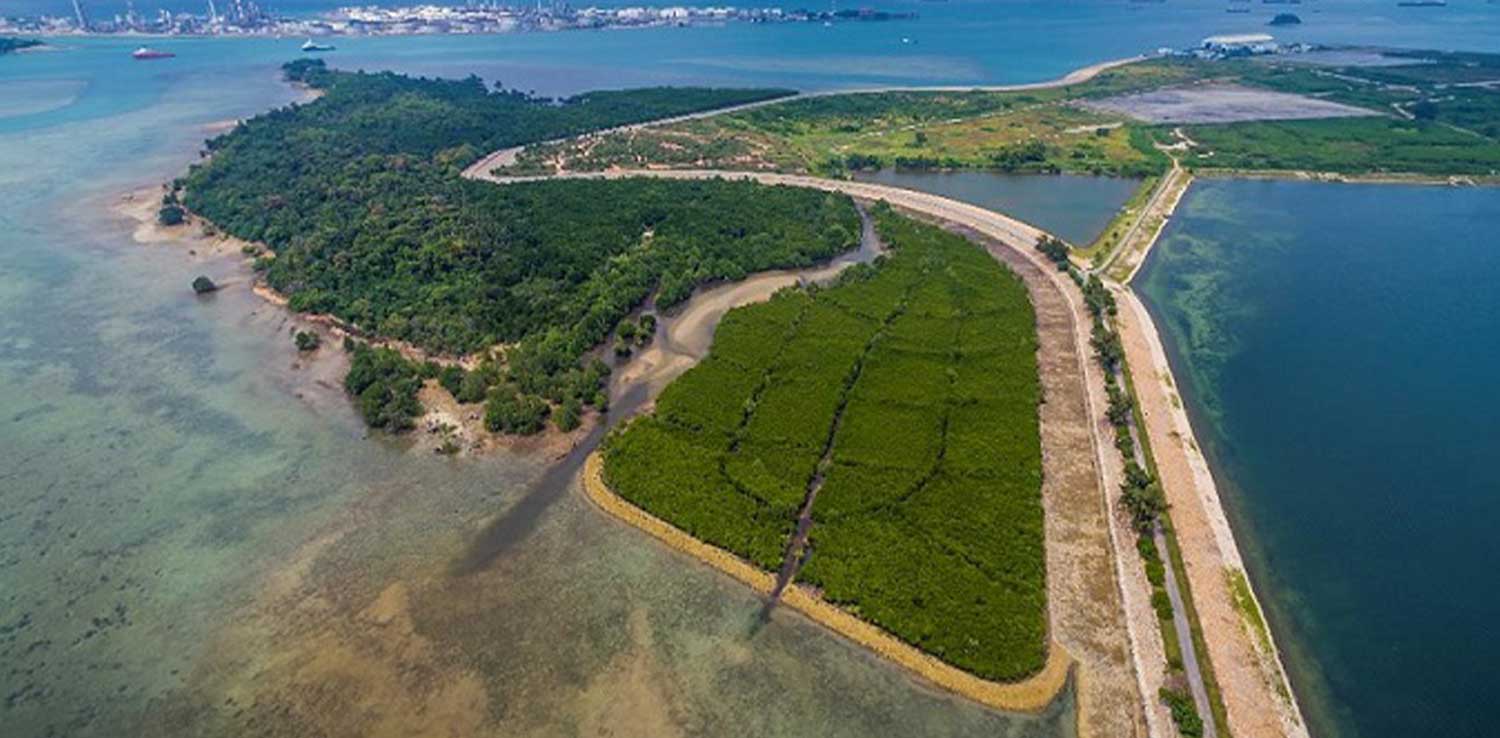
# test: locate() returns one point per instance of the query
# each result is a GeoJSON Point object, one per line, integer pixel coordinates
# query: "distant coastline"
{"type": "Point", "coordinates": [250, 20]}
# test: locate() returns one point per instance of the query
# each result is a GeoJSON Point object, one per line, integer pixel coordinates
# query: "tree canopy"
{"type": "Point", "coordinates": [359, 196]}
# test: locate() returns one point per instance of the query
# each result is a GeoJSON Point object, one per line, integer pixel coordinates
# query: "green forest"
{"type": "Point", "coordinates": [905, 395]}
{"type": "Point", "coordinates": [358, 198]}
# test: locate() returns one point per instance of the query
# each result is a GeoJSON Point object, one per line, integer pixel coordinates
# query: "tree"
{"type": "Point", "coordinates": [307, 341]}
{"type": "Point", "coordinates": [171, 215]}
{"type": "Point", "coordinates": [1055, 250]}
{"type": "Point", "coordinates": [203, 285]}
{"type": "Point", "coordinates": [508, 411]}
{"type": "Point", "coordinates": [473, 388]}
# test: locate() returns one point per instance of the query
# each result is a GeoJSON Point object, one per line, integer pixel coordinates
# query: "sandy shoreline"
{"type": "Point", "coordinates": [1254, 686]}
{"type": "Point", "coordinates": [1030, 695]}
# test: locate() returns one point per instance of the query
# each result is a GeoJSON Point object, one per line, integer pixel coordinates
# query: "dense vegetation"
{"type": "Point", "coordinates": [1344, 145]}
{"type": "Point", "coordinates": [9, 44]}
{"type": "Point", "coordinates": [906, 396]}
{"type": "Point", "coordinates": [1440, 122]}
{"type": "Point", "coordinates": [1019, 131]}
{"type": "Point", "coordinates": [359, 198]}
{"type": "Point", "coordinates": [1439, 119]}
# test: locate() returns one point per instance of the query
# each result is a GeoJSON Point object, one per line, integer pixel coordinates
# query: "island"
{"type": "Point", "coordinates": [895, 453]}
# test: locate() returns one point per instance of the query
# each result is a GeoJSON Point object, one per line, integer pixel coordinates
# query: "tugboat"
{"type": "Point", "coordinates": [310, 46]}
{"type": "Point", "coordinates": [145, 52]}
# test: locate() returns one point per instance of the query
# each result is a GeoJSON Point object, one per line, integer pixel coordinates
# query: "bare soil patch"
{"type": "Point", "coordinates": [1222, 104]}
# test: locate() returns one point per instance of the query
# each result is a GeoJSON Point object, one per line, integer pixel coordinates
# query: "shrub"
{"type": "Point", "coordinates": [507, 411]}
{"type": "Point", "coordinates": [171, 215]}
{"type": "Point", "coordinates": [568, 416]}
{"type": "Point", "coordinates": [1184, 712]}
{"type": "Point", "coordinates": [386, 385]}
{"type": "Point", "coordinates": [307, 341]}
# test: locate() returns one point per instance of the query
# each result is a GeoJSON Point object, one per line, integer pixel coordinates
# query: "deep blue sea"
{"type": "Point", "coordinates": [191, 518]}
{"type": "Point", "coordinates": [1337, 344]}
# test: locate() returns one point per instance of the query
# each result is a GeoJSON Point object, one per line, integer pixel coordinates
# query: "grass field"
{"type": "Point", "coordinates": [906, 396]}
{"type": "Point", "coordinates": [1438, 118]}
{"type": "Point", "coordinates": [1345, 146]}
{"type": "Point", "coordinates": [1022, 131]}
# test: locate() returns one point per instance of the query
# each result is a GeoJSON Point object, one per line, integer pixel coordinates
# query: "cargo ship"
{"type": "Point", "coordinates": [146, 52]}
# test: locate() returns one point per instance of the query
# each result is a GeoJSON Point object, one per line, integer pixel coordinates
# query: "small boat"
{"type": "Point", "coordinates": [310, 46]}
{"type": "Point", "coordinates": [146, 52]}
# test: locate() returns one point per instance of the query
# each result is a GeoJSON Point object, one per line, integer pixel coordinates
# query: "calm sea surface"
{"type": "Point", "coordinates": [193, 525]}
{"type": "Point", "coordinates": [1075, 208]}
{"type": "Point", "coordinates": [1338, 346]}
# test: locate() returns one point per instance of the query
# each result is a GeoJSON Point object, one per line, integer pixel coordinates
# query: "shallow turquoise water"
{"type": "Point", "coordinates": [1075, 208]}
{"type": "Point", "coordinates": [164, 460]}
{"type": "Point", "coordinates": [179, 490]}
{"type": "Point", "coordinates": [1337, 346]}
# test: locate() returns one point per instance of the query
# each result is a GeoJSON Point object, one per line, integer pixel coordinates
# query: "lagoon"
{"type": "Point", "coordinates": [1336, 345]}
{"type": "Point", "coordinates": [1073, 207]}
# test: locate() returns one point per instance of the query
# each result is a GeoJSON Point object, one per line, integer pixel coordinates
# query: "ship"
{"type": "Point", "coordinates": [310, 46]}
{"type": "Point", "coordinates": [1422, 4]}
{"type": "Point", "coordinates": [146, 52]}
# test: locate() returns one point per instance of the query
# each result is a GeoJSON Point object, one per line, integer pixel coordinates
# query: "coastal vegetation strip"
{"type": "Point", "coordinates": [922, 370]}
{"type": "Point", "coordinates": [1189, 669]}
{"type": "Point", "coordinates": [359, 204]}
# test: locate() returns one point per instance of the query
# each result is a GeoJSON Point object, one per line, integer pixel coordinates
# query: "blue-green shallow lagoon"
{"type": "Point", "coordinates": [1337, 346]}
